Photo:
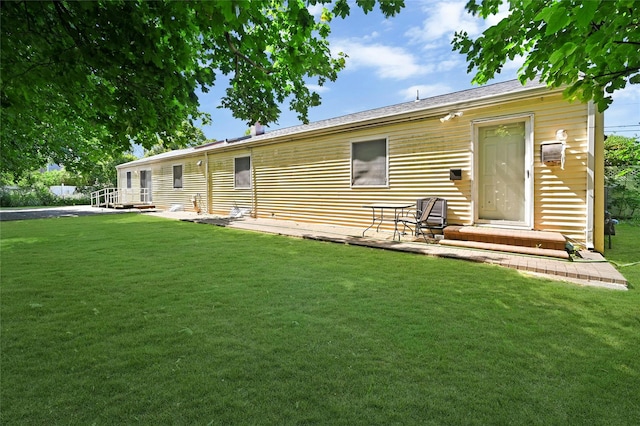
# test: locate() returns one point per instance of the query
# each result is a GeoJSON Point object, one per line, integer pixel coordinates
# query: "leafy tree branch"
{"type": "Point", "coordinates": [588, 46]}
{"type": "Point", "coordinates": [80, 79]}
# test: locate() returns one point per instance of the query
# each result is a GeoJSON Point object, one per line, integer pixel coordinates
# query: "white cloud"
{"type": "Point", "coordinates": [451, 64]}
{"type": "Point", "coordinates": [316, 9]}
{"type": "Point", "coordinates": [386, 61]}
{"type": "Point", "coordinates": [374, 35]}
{"type": "Point", "coordinates": [515, 64]}
{"type": "Point", "coordinates": [630, 93]}
{"type": "Point", "coordinates": [317, 88]}
{"type": "Point", "coordinates": [444, 18]}
{"type": "Point", "coordinates": [425, 91]}
{"type": "Point", "coordinates": [623, 115]}
{"type": "Point", "coordinates": [387, 25]}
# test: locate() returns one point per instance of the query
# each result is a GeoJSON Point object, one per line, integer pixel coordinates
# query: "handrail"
{"type": "Point", "coordinates": [109, 197]}
{"type": "Point", "coordinates": [101, 197]}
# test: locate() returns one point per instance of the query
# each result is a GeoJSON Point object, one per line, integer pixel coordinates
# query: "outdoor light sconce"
{"type": "Point", "coordinates": [455, 174]}
{"type": "Point", "coordinates": [199, 163]}
{"type": "Point", "coordinates": [552, 153]}
{"type": "Point", "coordinates": [451, 115]}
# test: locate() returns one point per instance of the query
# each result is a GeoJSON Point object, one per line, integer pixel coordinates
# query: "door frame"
{"type": "Point", "coordinates": [528, 119]}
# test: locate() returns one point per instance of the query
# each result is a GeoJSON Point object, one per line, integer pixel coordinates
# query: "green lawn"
{"type": "Point", "coordinates": [133, 319]}
{"type": "Point", "coordinates": [625, 251]}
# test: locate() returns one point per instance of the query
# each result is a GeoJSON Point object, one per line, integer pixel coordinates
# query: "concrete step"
{"type": "Point", "coordinates": [507, 237]}
{"type": "Point", "coordinates": [132, 206]}
{"type": "Point", "coordinates": [534, 251]}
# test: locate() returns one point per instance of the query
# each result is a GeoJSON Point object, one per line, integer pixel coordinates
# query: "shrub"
{"type": "Point", "coordinates": [622, 176]}
{"type": "Point", "coordinates": [38, 196]}
{"type": "Point", "coordinates": [623, 195]}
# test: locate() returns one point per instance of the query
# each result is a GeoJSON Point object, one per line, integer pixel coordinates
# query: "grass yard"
{"type": "Point", "coordinates": [625, 251]}
{"type": "Point", "coordinates": [125, 319]}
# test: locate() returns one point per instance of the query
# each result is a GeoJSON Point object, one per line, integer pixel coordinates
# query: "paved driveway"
{"type": "Point", "coordinates": [61, 211]}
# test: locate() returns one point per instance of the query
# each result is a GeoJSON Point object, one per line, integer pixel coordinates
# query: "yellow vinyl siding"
{"type": "Point", "coordinates": [194, 183]}
{"type": "Point", "coordinates": [422, 156]}
{"type": "Point", "coordinates": [561, 195]}
{"type": "Point", "coordinates": [164, 195]}
{"type": "Point", "coordinates": [224, 195]}
{"type": "Point", "coordinates": [309, 179]}
{"type": "Point", "coordinates": [307, 176]}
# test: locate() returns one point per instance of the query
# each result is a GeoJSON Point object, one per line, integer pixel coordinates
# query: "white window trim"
{"type": "Point", "coordinates": [128, 178]}
{"type": "Point", "coordinates": [369, 139]}
{"type": "Point", "coordinates": [173, 177]}
{"type": "Point", "coordinates": [250, 186]}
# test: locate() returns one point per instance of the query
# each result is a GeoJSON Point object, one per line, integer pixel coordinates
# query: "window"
{"type": "Point", "coordinates": [177, 176]}
{"type": "Point", "coordinates": [128, 180]}
{"type": "Point", "coordinates": [369, 163]}
{"type": "Point", "coordinates": [242, 172]}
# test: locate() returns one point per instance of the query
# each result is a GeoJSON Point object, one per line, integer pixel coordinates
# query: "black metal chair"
{"type": "Point", "coordinates": [430, 214]}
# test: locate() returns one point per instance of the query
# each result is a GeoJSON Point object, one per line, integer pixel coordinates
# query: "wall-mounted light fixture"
{"type": "Point", "coordinates": [451, 115]}
{"type": "Point", "coordinates": [199, 163]}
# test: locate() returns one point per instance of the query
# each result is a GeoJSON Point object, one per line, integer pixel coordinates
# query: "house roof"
{"type": "Point", "coordinates": [465, 96]}
{"type": "Point", "coordinates": [433, 103]}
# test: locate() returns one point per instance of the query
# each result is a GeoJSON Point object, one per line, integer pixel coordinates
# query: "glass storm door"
{"type": "Point", "coordinates": [502, 174]}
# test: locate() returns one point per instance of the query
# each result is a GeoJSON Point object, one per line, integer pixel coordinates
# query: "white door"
{"type": "Point", "coordinates": [145, 186]}
{"type": "Point", "coordinates": [503, 173]}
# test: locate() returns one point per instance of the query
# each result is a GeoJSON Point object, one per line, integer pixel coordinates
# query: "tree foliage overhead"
{"type": "Point", "coordinates": [591, 46]}
{"type": "Point", "coordinates": [79, 79]}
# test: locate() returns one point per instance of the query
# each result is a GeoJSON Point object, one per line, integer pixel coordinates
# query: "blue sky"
{"type": "Point", "coordinates": [392, 59]}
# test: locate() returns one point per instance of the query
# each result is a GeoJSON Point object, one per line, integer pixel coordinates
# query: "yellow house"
{"type": "Point", "coordinates": [502, 155]}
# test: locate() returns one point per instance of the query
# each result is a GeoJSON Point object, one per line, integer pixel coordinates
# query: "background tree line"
{"type": "Point", "coordinates": [622, 176]}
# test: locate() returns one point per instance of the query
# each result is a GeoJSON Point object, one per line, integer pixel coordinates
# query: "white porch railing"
{"type": "Point", "coordinates": [111, 197]}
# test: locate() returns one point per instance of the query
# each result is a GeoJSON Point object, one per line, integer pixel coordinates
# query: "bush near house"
{"type": "Point", "coordinates": [33, 190]}
{"type": "Point", "coordinates": [623, 192]}
{"type": "Point", "coordinates": [622, 176]}
{"type": "Point", "coordinates": [40, 196]}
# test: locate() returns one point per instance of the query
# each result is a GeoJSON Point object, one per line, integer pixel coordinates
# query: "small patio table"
{"type": "Point", "coordinates": [398, 210]}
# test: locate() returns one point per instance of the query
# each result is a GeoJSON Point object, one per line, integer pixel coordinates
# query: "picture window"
{"type": "Point", "coordinates": [177, 176]}
{"type": "Point", "coordinates": [369, 163]}
{"type": "Point", "coordinates": [242, 172]}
